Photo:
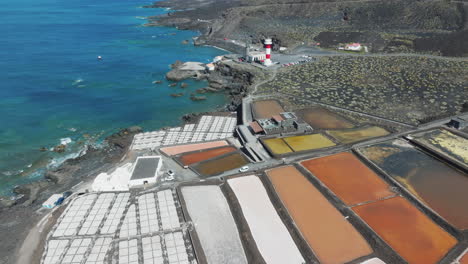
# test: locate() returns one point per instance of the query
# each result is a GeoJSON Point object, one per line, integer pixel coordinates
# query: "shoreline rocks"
{"type": "Point", "coordinates": [74, 170]}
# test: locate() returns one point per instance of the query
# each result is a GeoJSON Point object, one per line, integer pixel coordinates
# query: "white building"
{"type": "Point", "coordinates": [353, 47]}
{"type": "Point", "coordinates": [210, 67]}
{"type": "Point", "coordinates": [256, 56]}
{"type": "Point", "coordinates": [145, 171]}
{"type": "Point", "coordinates": [50, 203]}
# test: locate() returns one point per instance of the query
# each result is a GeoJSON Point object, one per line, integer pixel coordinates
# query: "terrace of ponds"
{"type": "Point", "coordinates": [330, 236]}
{"type": "Point", "coordinates": [440, 187]}
{"type": "Point", "coordinates": [412, 234]}
{"type": "Point", "coordinates": [346, 176]}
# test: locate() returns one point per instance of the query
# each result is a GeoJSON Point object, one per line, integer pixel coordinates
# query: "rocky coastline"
{"type": "Point", "coordinates": [229, 77]}
{"type": "Point", "coordinates": [424, 27]}
{"type": "Point", "coordinates": [18, 216]}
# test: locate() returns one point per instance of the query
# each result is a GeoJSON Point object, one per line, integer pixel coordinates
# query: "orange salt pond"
{"type": "Point", "coordinates": [351, 180]}
{"type": "Point", "coordinates": [412, 234]}
{"type": "Point", "coordinates": [191, 158]}
{"type": "Point", "coordinates": [266, 109]}
{"type": "Point", "coordinates": [464, 259]}
{"type": "Point", "coordinates": [331, 237]}
{"type": "Point", "coordinates": [437, 185]}
{"type": "Point", "coordinates": [171, 151]}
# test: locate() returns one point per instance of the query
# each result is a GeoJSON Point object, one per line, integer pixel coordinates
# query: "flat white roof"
{"type": "Point", "coordinates": [145, 167]}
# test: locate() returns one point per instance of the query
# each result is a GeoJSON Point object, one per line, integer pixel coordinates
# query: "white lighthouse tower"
{"type": "Point", "coordinates": [268, 44]}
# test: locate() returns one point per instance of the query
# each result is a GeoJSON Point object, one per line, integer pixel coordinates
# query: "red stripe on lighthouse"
{"type": "Point", "coordinates": [268, 56]}
{"type": "Point", "coordinates": [267, 46]}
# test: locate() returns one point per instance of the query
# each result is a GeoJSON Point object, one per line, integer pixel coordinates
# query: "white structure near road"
{"type": "Point", "coordinates": [146, 171]}
{"type": "Point", "coordinates": [353, 47]}
{"type": "Point", "coordinates": [208, 128]}
{"type": "Point", "coordinates": [50, 203]}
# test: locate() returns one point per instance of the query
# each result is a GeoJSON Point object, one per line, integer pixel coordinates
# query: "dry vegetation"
{"type": "Point", "coordinates": [407, 89]}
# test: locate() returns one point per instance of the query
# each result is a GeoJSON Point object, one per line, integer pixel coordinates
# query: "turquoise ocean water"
{"type": "Point", "coordinates": [53, 87]}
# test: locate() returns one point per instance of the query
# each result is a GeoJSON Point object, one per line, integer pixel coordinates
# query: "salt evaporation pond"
{"type": "Point", "coordinates": [171, 151]}
{"type": "Point", "coordinates": [320, 118]}
{"type": "Point", "coordinates": [445, 142]}
{"type": "Point", "coordinates": [331, 237]}
{"type": "Point", "coordinates": [439, 186]}
{"type": "Point", "coordinates": [266, 109]}
{"type": "Point", "coordinates": [412, 234]}
{"type": "Point", "coordinates": [191, 158]}
{"type": "Point", "coordinates": [214, 224]}
{"type": "Point", "coordinates": [270, 234]}
{"type": "Point", "coordinates": [219, 165]}
{"type": "Point", "coordinates": [357, 134]}
{"type": "Point", "coordinates": [346, 176]}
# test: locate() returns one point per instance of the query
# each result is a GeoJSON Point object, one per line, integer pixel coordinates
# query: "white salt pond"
{"type": "Point", "coordinates": [373, 261]}
{"type": "Point", "coordinates": [214, 224]}
{"type": "Point", "coordinates": [271, 236]}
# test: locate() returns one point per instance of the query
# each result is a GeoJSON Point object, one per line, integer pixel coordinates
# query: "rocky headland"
{"type": "Point", "coordinates": [430, 27]}
{"type": "Point", "coordinates": [229, 76]}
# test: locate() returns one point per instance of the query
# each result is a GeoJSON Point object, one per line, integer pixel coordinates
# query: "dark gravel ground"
{"type": "Point", "coordinates": [407, 89]}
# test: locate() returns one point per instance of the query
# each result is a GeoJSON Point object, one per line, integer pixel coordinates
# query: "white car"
{"type": "Point", "coordinates": [170, 173]}
{"type": "Point", "coordinates": [244, 169]}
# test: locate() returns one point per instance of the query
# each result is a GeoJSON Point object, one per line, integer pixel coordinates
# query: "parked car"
{"type": "Point", "coordinates": [244, 169]}
{"type": "Point", "coordinates": [59, 201]}
{"type": "Point", "coordinates": [67, 194]}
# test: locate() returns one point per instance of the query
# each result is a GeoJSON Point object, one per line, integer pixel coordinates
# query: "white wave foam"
{"type": "Point", "coordinates": [77, 81]}
{"type": "Point", "coordinates": [65, 141]}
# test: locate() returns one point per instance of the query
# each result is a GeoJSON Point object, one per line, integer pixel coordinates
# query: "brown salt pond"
{"type": "Point", "coordinates": [331, 237]}
{"type": "Point", "coordinates": [321, 118]}
{"type": "Point", "coordinates": [439, 186]}
{"type": "Point", "coordinates": [171, 151]}
{"type": "Point", "coordinates": [191, 158]}
{"type": "Point", "coordinates": [266, 108]}
{"type": "Point", "coordinates": [357, 134]}
{"type": "Point", "coordinates": [346, 176]}
{"type": "Point", "coordinates": [412, 234]}
{"type": "Point", "coordinates": [219, 165]}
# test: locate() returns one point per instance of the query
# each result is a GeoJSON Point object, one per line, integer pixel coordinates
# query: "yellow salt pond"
{"type": "Point", "coordinates": [357, 134]}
